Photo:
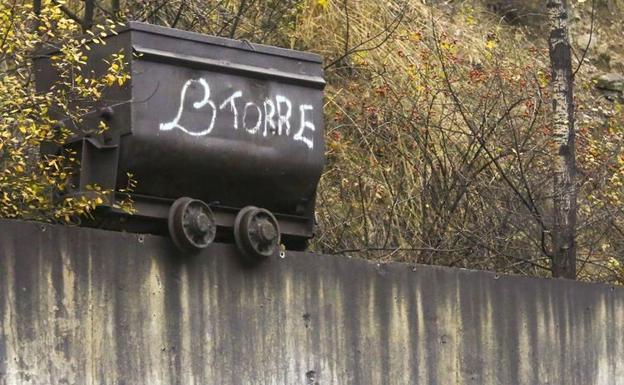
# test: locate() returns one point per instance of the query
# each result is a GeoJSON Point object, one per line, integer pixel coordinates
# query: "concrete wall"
{"type": "Point", "coordinates": [81, 306]}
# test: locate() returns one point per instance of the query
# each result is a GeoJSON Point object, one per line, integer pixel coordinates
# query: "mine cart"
{"type": "Point", "coordinates": [223, 137]}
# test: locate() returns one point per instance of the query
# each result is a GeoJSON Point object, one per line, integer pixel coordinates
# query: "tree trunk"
{"type": "Point", "coordinates": [116, 7]}
{"type": "Point", "coordinates": [37, 7]}
{"type": "Point", "coordinates": [87, 19]}
{"type": "Point", "coordinates": [565, 205]}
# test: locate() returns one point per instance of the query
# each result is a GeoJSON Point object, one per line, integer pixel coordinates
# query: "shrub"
{"type": "Point", "coordinates": [33, 186]}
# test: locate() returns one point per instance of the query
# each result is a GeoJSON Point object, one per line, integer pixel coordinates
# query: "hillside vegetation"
{"type": "Point", "coordinates": [438, 124]}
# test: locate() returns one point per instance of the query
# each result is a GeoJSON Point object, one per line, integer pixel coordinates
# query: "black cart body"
{"type": "Point", "coordinates": [227, 122]}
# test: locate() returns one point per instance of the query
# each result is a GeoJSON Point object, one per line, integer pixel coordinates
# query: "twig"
{"type": "Point", "coordinates": [177, 16]}
{"type": "Point", "coordinates": [591, 34]}
{"type": "Point", "coordinates": [357, 48]}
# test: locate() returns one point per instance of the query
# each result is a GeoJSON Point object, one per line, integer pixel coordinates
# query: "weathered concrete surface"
{"type": "Point", "coordinates": [82, 306]}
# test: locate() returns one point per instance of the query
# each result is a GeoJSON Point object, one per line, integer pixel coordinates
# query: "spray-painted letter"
{"type": "Point", "coordinates": [175, 123]}
{"type": "Point", "coordinates": [283, 116]}
{"type": "Point", "coordinates": [232, 104]}
{"type": "Point", "coordinates": [305, 124]}
{"type": "Point", "coordinates": [255, 128]}
{"type": "Point", "coordinates": [269, 113]}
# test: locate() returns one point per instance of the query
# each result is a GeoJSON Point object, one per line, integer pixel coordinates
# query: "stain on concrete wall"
{"type": "Point", "coordinates": [82, 306]}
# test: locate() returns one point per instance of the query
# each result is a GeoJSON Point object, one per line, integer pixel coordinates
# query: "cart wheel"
{"type": "Point", "coordinates": [256, 233]}
{"type": "Point", "coordinates": [192, 224]}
